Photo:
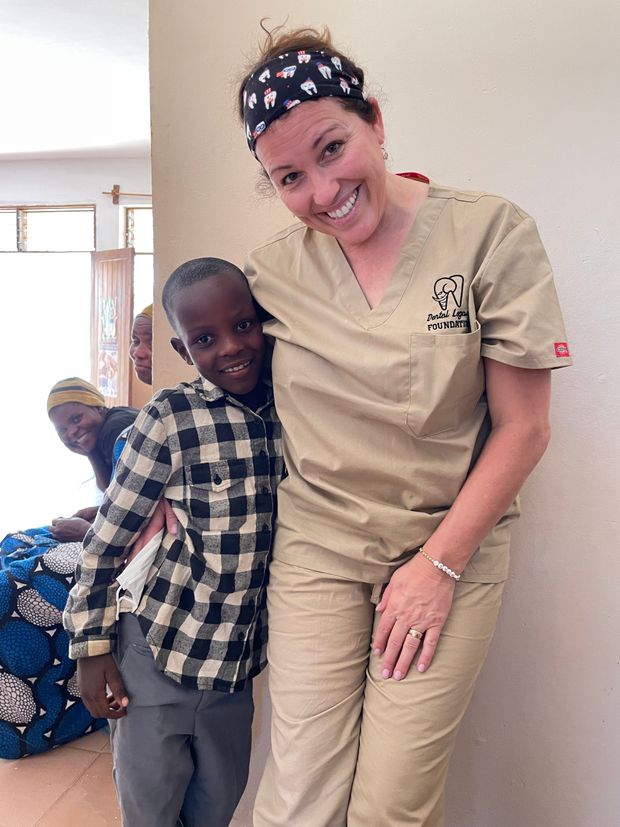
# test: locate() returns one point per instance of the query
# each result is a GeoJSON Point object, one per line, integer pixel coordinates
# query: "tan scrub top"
{"type": "Point", "coordinates": [384, 410]}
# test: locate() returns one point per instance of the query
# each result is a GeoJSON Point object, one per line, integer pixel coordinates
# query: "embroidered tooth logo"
{"type": "Point", "coordinates": [446, 287]}
{"type": "Point", "coordinates": [324, 70]}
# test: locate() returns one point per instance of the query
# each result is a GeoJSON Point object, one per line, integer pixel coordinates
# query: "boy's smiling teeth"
{"type": "Point", "coordinates": [346, 207]}
{"type": "Point", "coordinates": [236, 368]}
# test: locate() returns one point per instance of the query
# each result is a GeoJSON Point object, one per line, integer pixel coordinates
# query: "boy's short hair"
{"type": "Point", "coordinates": [191, 272]}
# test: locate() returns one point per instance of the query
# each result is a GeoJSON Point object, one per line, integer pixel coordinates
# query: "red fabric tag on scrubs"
{"type": "Point", "coordinates": [415, 176]}
{"type": "Point", "coordinates": [561, 349]}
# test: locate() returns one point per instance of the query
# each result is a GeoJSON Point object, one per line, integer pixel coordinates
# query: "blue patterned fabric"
{"type": "Point", "coordinates": [40, 704]}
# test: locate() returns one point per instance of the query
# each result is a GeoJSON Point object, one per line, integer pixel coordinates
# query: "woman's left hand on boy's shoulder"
{"type": "Point", "coordinates": [417, 597]}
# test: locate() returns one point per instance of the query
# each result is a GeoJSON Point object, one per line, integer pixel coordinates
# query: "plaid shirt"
{"type": "Point", "coordinates": [203, 609]}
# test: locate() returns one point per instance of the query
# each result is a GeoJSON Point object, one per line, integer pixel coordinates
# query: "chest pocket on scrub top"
{"type": "Point", "coordinates": [446, 378]}
{"type": "Point", "coordinates": [212, 487]}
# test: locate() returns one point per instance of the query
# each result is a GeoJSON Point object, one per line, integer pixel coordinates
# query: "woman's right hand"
{"type": "Point", "coordinates": [94, 674]}
{"type": "Point", "coordinates": [419, 596]}
{"type": "Point", "coordinates": [69, 529]}
{"type": "Point", "coordinates": [162, 516]}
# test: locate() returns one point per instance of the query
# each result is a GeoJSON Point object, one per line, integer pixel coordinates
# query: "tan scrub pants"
{"type": "Point", "coordinates": [350, 748]}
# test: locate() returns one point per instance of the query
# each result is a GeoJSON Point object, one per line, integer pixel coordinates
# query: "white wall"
{"type": "Point", "coordinates": [515, 98]}
{"type": "Point", "coordinates": [78, 181]}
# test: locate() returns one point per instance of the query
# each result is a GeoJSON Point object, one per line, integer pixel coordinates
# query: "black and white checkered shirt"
{"type": "Point", "coordinates": [203, 610]}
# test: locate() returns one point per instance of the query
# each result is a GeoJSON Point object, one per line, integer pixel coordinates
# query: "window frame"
{"type": "Point", "coordinates": [21, 224]}
{"type": "Point", "coordinates": [127, 231]}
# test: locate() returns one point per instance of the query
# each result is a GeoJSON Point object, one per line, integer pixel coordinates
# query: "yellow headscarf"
{"type": "Point", "coordinates": [148, 311]}
{"type": "Point", "coordinates": [74, 389]}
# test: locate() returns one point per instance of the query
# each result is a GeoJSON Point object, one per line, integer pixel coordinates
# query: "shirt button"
{"type": "Point", "coordinates": [217, 479]}
{"type": "Point", "coordinates": [264, 490]}
{"type": "Point", "coordinates": [262, 452]}
{"type": "Point", "coordinates": [240, 636]}
{"type": "Point", "coordinates": [264, 527]}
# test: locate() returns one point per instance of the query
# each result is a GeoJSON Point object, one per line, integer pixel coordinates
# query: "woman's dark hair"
{"type": "Point", "coordinates": [281, 40]}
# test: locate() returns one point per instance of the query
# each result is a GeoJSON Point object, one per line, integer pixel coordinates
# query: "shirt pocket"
{"type": "Point", "coordinates": [212, 487]}
{"type": "Point", "coordinates": [446, 380]}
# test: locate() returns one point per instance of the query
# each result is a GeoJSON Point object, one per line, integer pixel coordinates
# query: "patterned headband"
{"type": "Point", "coordinates": [290, 79]}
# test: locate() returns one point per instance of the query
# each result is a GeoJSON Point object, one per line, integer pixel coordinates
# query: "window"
{"type": "Point", "coordinates": [139, 229]}
{"type": "Point", "coordinates": [139, 235]}
{"type": "Point", "coordinates": [47, 229]}
{"type": "Point", "coordinates": [8, 230]}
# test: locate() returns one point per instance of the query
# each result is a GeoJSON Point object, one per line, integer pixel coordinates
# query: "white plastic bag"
{"type": "Point", "coordinates": [132, 579]}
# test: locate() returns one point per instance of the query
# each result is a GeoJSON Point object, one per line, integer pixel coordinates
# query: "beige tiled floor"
{"type": "Point", "coordinates": [68, 787]}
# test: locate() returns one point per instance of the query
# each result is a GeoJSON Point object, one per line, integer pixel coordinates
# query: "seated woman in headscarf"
{"type": "Point", "coordinates": [114, 430]}
{"type": "Point", "coordinates": [40, 706]}
{"type": "Point", "coordinates": [84, 424]}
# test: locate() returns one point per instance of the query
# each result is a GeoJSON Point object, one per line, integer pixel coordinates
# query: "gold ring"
{"type": "Point", "coordinates": [414, 633]}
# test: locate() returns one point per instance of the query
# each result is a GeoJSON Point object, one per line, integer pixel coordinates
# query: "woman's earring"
{"type": "Point", "coordinates": [384, 152]}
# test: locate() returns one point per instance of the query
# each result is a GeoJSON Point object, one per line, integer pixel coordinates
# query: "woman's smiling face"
{"type": "Point", "coordinates": [327, 167]}
{"type": "Point", "coordinates": [78, 425]}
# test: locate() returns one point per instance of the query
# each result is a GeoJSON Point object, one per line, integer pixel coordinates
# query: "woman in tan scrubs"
{"type": "Point", "coordinates": [415, 328]}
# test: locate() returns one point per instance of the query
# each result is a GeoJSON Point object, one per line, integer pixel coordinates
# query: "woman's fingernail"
{"type": "Point", "coordinates": [386, 673]}
{"type": "Point", "coordinates": [421, 667]}
{"type": "Point", "coordinates": [376, 651]}
{"type": "Point", "coordinates": [397, 676]}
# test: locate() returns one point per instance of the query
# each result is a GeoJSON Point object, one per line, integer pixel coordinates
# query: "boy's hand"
{"type": "Point", "coordinates": [94, 675]}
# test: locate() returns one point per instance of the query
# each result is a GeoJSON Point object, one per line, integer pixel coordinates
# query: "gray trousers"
{"type": "Point", "coordinates": [179, 753]}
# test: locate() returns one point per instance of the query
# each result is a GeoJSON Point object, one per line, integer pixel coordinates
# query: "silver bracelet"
{"type": "Point", "coordinates": [441, 566]}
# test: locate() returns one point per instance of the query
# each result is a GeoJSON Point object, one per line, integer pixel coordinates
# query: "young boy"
{"type": "Point", "coordinates": [180, 679]}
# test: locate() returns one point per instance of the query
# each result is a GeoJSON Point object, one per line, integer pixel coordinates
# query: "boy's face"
{"type": "Point", "coordinates": [220, 333]}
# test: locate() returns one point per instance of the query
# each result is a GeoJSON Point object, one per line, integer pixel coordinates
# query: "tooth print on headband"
{"type": "Point", "coordinates": [290, 79]}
